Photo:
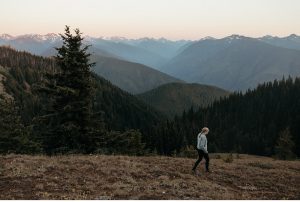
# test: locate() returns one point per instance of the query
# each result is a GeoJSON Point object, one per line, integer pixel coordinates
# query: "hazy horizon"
{"type": "Point", "coordinates": [149, 37]}
{"type": "Point", "coordinates": [175, 20]}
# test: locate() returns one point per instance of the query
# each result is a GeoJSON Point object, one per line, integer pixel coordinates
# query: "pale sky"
{"type": "Point", "coordinates": [173, 19]}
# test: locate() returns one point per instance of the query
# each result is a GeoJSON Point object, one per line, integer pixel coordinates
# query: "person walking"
{"type": "Point", "coordinates": [202, 149]}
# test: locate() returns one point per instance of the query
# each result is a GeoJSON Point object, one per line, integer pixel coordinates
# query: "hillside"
{"type": "Point", "coordinates": [172, 99]}
{"type": "Point", "coordinates": [3, 92]}
{"type": "Point", "coordinates": [255, 120]}
{"type": "Point", "coordinates": [94, 51]}
{"type": "Point", "coordinates": [122, 110]}
{"type": "Point", "coordinates": [192, 55]}
{"type": "Point", "coordinates": [164, 47]}
{"type": "Point", "coordinates": [234, 63]}
{"type": "Point", "coordinates": [131, 77]}
{"type": "Point", "coordinates": [129, 52]}
{"type": "Point", "coordinates": [24, 70]}
{"type": "Point", "coordinates": [123, 177]}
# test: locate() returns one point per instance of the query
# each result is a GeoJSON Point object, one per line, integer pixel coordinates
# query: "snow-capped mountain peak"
{"type": "Point", "coordinates": [293, 36]}
{"type": "Point", "coordinates": [267, 37]}
{"type": "Point", "coordinates": [207, 38]}
{"type": "Point", "coordinates": [6, 37]}
{"type": "Point", "coordinates": [37, 37]}
{"type": "Point", "coordinates": [51, 37]}
{"type": "Point", "coordinates": [235, 37]}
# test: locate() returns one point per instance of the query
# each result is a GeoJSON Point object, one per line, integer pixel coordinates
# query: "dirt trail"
{"type": "Point", "coordinates": [122, 177]}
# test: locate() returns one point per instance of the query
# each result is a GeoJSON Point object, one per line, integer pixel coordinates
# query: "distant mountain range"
{"type": "Point", "coordinates": [148, 51]}
{"type": "Point", "coordinates": [232, 63]}
{"type": "Point", "coordinates": [33, 43]}
{"type": "Point", "coordinates": [124, 62]}
{"type": "Point", "coordinates": [291, 42]}
{"type": "Point", "coordinates": [129, 52]}
{"type": "Point", "coordinates": [173, 98]}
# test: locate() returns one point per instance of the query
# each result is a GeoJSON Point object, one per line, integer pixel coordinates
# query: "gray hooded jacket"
{"type": "Point", "coordinates": [202, 142]}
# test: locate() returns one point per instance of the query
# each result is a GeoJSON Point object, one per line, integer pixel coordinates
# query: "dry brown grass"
{"type": "Point", "coordinates": [122, 177]}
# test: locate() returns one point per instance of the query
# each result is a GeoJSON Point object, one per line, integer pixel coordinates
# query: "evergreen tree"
{"type": "Point", "coordinates": [285, 145]}
{"type": "Point", "coordinates": [14, 137]}
{"type": "Point", "coordinates": [67, 125]}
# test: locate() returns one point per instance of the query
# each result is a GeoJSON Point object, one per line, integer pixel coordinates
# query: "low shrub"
{"type": "Point", "coordinates": [228, 158]}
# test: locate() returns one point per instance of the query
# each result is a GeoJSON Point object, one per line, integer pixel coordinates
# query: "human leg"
{"type": "Point", "coordinates": [206, 157]}
{"type": "Point", "coordinates": [200, 156]}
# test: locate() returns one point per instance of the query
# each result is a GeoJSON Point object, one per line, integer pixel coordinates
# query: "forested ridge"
{"type": "Point", "coordinates": [23, 70]}
{"type": "Point", "coordinates": [173, 98]}
{"type": "Point", "coordinates": [244, 123]}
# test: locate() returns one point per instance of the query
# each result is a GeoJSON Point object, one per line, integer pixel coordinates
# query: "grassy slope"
{"type": "Point", "coordinates": [174, 98]}
{"type": "Point", "coordinates": [122, 177]}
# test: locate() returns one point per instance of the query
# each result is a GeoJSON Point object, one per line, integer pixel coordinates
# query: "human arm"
{"type": "Point", "coordinates": [205, 146]}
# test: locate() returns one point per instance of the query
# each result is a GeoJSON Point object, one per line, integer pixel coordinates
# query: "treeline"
{"type": "Point", "coordinates": [244, 123]}
{"type": "Point", "coordinates": [9, 57]}
{"type": "Point", "coordinates": [60, 106]}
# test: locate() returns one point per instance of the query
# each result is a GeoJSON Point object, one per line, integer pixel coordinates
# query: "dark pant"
{"type": "Point", "coordinates": [202, 154]}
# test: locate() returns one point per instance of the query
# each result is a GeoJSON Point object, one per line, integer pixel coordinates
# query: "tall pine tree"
{"type": "Point", "coordinates": [67, 125]}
